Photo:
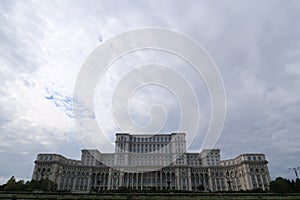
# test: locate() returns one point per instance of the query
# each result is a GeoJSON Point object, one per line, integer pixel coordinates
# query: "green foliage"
{"type": "Point", "coordinates": [153, 189]}
{"type": "Point", "coordinates": [123, 189]}
{"type": "Point", "coordinates": [280, 185]}
{"type": "Point", "coordinates": [257, 190]}
{"type": "Point", "coordinates": [129, 197]}
{"type": "Point", "coordinates": [11, 184]}
{"type": "Point", "coordinates": [201, 188]}
{"type": "Point", "coordinates": [42, 185]}
{"type": "Point", "coordinates": [297, 187]}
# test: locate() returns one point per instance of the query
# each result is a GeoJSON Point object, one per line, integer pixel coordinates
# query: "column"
{"type": "Point", "coordinates": [160, 179]}
{"type": "Point", "coordinates": [262, 182]}
{"type": "Point", "coordinates": [120, 178]}
{"type": "Point", "coordinates": [189, 181]}
{"type": "Point", "coordinates": [58, 182]}
{"type": "Point", "coordinates": [74, 183]}
{"type": "Point", "coordinates": [156, 184]}
{"type": "Point", "coordinates": [177, 178]}
{"type": "Point", "coordinates": [255, 176]}
{"type": "Point", "coordinates": [109, 179]}
{"type": "Point", "coordinates": [137, 181]}
{"type": "Point", "coordinates": [142, 181]}
{"type": "Point", "coordinates": [128, 179]}
{"type": "Point", "coordinates": [209, 180]}
{"type": "Point", "coordinates": [89, 181]}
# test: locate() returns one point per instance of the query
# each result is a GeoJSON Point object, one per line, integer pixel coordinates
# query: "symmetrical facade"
{"type": "Point", "coordinates": [159, 161]}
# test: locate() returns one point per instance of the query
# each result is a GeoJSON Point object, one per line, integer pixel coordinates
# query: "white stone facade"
{"type": "Point", "coordinates": [160, 161]}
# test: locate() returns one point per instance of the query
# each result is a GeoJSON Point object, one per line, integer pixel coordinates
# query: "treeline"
{"type": "Point", "coordinates": [282, 185]}
{"type": "Point", "coordinates": [279, 185]}
{"type": "Point", "coordinates": [42, 185]}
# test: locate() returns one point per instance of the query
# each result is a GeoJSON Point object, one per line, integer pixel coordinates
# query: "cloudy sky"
{"type": "Point", "coordinates": [255, 44]}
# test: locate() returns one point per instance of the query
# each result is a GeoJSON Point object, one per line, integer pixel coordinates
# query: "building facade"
{"type": "Point", "coordinates": [160, 161]}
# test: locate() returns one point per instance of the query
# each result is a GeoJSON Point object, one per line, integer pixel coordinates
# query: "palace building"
{"type": "Point", "coordinates": [147, 162]}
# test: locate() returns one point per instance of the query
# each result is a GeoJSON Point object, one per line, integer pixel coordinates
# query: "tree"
{"type": "Point", "coordinates": [11, 184]}
{"type": "Point", "coordinates": [280, 185]}
{"type": "Point", "coordinates": [43, 185]}
{"type": "Point", "coordinates": [153, 189]}
{"type": "Point", "coordinates": [297, 187]}
{"type": "Point", "coordinates": [201, 188]}
{"type": "Point", "coordinates": [2, 187]}
{"type": "Point", "coordinates": [123, 189]}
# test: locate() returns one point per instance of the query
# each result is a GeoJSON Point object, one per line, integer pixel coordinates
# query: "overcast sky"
{"type": "Point", "coordinates": [255, 44]}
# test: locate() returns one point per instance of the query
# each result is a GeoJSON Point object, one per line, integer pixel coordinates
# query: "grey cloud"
{"type": "Point", "coordinates": [252, 43]}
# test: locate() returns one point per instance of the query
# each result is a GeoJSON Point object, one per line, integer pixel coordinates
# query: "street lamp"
{"type": "Point", "coordinates": [295, 170]}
